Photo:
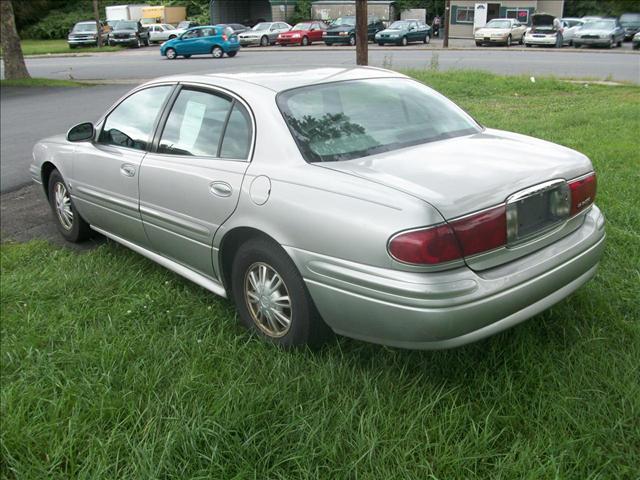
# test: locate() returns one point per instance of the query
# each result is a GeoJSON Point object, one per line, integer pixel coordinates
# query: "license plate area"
{"type": "Point", "coordinates": [536, 210]}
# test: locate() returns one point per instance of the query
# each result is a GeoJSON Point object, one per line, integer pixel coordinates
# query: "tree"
{"type": "Point", "coordinates": [14, 67]}
{"type": "Point", "coordinates": [96, 15]}
{"type": "Point", "coordinates": [362, 35]}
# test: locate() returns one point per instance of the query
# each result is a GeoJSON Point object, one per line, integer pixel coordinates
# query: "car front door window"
{"type": "Point", "coordinates": [131, 123]}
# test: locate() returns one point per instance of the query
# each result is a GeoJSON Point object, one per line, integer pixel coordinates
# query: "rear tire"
{"type": "Point", "coordinates": [404, 42]}
{"type": "Point", "coordinates": [427, 39]}
{"type": "Point", "coordinates": [68, 221]}
{"type": "Point", "coordinates": [256, 300]}
{"type": "Point", "coordinates": [352, 41]}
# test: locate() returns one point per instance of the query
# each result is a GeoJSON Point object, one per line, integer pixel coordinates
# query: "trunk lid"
{"type": "Point", "coordinates": [468, 174]}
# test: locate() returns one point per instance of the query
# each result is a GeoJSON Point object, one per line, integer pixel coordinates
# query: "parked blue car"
{"type": "Point", "coordinates": [207, 40]}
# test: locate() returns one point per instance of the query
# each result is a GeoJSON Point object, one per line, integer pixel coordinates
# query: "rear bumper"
{"type": "Point", "coordinates": [452, 308]}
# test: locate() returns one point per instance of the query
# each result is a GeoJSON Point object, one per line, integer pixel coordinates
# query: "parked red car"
{"type": "Point", "coordinates": [304, 33]}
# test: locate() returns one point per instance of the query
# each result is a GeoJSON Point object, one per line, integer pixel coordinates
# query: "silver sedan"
{"type": "Point", "coordinates": [347, 200]}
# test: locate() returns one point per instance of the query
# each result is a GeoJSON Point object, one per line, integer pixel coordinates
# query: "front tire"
{"type": "Point", "coordinates": [272, 298]}
{"type": "Point", "coordinates": [352, 41]}
{"type": "Point", "coordinates": [509, 40]}
{"type": "Point", "coordinates": [404, 42]}
{"type": "Point", "coordinates": [69, 222]}
{"type": "Point", "coordinates": [305, 41]}
{"type": "Point", "coordinates": [427, 39]}
{"type": "Point", "coordinates": [264, 41]}
{"type": "Point", "coordinates": [170, 54]}
{"type": "Point", "coordinates": [217, 52]}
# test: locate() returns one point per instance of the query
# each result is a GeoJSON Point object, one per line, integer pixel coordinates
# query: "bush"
{"type": "Point", "coordinates": [55, 25]}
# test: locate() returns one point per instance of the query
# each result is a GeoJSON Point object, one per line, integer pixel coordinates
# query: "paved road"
{"type": "Point", "coordinates": [619, 64]}
{"type": "Point", "coordinates": [29, 114]}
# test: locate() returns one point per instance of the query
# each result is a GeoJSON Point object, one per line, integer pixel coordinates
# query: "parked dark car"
{"type": "Point", "coordinates": [343, 30]}
{"type": "Point", "coordinates": [631, 24]}
{"type": "Point", "coordinates": [403, 32]}
{"type": "Point", "coordinates": [86, 34]}
{"type": "Point", "coordinates": [129, 33]}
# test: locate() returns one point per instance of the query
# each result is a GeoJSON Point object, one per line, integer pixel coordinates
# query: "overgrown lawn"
{"type": "Point", "coordinates": [113, 367]}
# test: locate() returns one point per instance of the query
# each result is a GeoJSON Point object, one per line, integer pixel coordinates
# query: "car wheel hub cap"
{"type": "Point", "coordinates": [268, 300]}
{"type": "Point", "coordinates": [63, 206]}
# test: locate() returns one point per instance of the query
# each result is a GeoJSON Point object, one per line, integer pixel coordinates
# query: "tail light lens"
{"type": "Point", "coordinates": [583, 192]}
{"type": "Point", "coordinates": [468, 236]}
{"type": "Point", "coordinates": [428, 246]}
{"type": "Point", "coordinates": [224, 37]}
{"type": "Point", "coordinates": [483, 231]}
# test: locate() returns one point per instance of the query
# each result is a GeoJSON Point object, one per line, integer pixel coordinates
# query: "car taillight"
{"type": "Point", "coordinates": [482, 231]}
{"type": "Point", "coordinates": [583, 192]}
{"type": "Point", "coordinates": [467, 236]}
{"type": "Point", "coordinates": [224, 37]}
{"type": "Point", "coordinates": [426, 246]}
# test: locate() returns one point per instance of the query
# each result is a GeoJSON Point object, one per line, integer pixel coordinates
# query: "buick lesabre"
{"type": "Point", "coordinates": [291, 192]}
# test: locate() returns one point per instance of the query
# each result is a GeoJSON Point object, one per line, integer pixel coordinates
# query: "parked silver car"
{"type": "Point", "coordinates": [600, 33]}
{"type": "Point", "coordinates": [161, 32]}
{"type": "Point", "coordinates": [263, 34]}
{"type": "Point", "coordinates": [288, 191]}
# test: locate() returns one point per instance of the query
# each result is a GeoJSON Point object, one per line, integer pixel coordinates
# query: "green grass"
{"type": "Point", "coordinates": [40, 82]}
{"type": "Point", "coordinates": [43, 47]}
{"type": "Point", "coordinates": [113, 367]}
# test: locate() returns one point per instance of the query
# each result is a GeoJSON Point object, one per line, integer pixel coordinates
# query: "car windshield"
{"type": "Point", "coordinates": [356, 118]}
{"type": "Point", "coordinates": [85, 27]}
{"type": "Point", "coordinates": [126, 26]}
{"type": "Point", "coordinates": [600, 25]}
{"type": "Point", "coordinates": [348, 21]}
{"type": "Point", "coordinates": [261, 26]}
{"type": "Point", "coordinates": [399, 25]}
{"type": "Point", "coordinates": [302, 26]}
{"type": "Point", "coordinates": [498, 24]}
{"type": "Point", "coordinates": [630, 19]}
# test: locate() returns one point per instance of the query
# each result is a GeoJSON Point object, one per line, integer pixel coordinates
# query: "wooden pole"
{"type": "Point", "coordinates": [362, 36]}
{"type": "Point", "coordinates": [447, 18]}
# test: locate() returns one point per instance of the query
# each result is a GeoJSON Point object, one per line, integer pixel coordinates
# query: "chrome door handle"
{"type": "Point", "coordinates": [127, 170]}
{"type": "Point", "coordinates": [221, 189]}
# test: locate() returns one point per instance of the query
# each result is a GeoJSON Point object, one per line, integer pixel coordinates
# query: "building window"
{"type": "Point", "coordinates": [519, 14]}
{"type": "Point", "coordinates": [465, 14]}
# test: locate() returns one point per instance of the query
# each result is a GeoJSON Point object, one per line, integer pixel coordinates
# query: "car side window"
{"type": "Point", "coordinates": [237, 136]}
{"type": "Point", "coordinates": [131, 123]}
{"type": "Point", "coordinates": [208, 32]}
{"type": "Point", "coordinates": [195, 124]}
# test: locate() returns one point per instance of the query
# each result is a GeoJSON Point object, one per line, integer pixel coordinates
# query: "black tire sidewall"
{"type": "Point", "coordinates": [79, 229]}
{"type": "Point", "coordinates": [307, 328]}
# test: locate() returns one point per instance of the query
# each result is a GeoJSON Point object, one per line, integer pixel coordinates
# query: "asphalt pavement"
{"type": "Point", "coordinates": [621, 64]}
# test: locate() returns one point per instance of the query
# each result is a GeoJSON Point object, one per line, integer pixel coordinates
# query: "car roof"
{"type": "Point", "coordinates": [280, 78]}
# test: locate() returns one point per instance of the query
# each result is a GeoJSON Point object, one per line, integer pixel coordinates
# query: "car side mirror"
{"type": "Point", "coordinates": [81, 132]}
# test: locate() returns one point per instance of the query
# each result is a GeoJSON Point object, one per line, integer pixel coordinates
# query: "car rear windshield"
{"type": "Point", "coordinates": [126, 26]}
{"type": "Point", "coordinates": [85, 27]}
{"type": "Point", "coordinates": [356, 118]}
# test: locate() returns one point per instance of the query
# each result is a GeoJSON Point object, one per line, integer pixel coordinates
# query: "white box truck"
{"type": "Point", "coordinates": [125, 12]}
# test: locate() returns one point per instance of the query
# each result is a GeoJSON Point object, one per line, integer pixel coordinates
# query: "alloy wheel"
{"type": "Point", "coordinates": [267, 299]}
{"type": "Point", "coordinates": [217, 52]}
{"type": "Point", "coordinates": [63, 206]}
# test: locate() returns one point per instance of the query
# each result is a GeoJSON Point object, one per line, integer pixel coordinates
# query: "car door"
{"type": "Point", "coordinates": [104, 178]}
{"type": "Point", "coordinates": [188, 44]}
{"type": "Point", "coordinates": [191, 183]}
{"type": "Point", "coordinates": [416, 34]}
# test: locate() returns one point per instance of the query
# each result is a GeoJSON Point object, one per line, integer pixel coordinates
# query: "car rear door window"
{"type": "Point", "coordinates": [237, 136]}
{"type": "Point", "coordinates": [196, 124]}
{"type": "Point", "coordinates": [131, 123]}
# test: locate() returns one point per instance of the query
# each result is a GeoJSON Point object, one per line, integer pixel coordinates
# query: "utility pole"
{"type": "Point", "coordinates": [362, 35]}
{"type": "Point", "coordinates": [96, 15]}
{"type": "Point", "coordinates": [447, 18]}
